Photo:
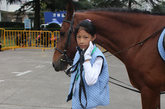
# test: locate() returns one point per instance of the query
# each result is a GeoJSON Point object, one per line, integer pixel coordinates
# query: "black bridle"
{"type": "Point", "coordinates": [67, 43]}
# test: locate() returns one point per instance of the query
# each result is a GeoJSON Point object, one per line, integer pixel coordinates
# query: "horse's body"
{"type": "Point", "coordinates": [118, 31]}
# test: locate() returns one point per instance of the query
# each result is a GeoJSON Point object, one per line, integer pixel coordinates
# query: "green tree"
{"type": "Point", "coordinates": [58, 5]}
{"type": "Point", "coordinates": [37, 5]}
{"type": "Point", "coordinates": [82, 5]}
{"type": "Point", "coordinates": [37, 9]}
{"type": "Point", "coordinates": [34, 5]}
{"type": "Point", "coordinates": [120, 3]}
{"type": "Point", "coordinates": [55, 5]}
{"type": "Point", "coordinates": [159, 8]}
{"type": "Point", "coordinates": [52, 5]}
{"type": "Point", "coordinates": [12, 1]}
{"type": "Point", "coordinates": [107, 3]}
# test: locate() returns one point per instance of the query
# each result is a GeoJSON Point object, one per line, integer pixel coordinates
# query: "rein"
{"type": "Point", "coordinates": [67, 43]}
{"type": "Point", "coordinates": [129, 87]}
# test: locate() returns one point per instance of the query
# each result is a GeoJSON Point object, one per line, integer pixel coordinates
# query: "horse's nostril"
{"type": "Point", "coordinates": [53, 65]}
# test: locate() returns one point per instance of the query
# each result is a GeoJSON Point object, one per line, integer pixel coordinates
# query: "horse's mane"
{"type": "Point", "coordinates": [124, 10]}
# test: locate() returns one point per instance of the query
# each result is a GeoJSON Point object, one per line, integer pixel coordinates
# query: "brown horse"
{"type": "Point", "coordinates": [134, 35]}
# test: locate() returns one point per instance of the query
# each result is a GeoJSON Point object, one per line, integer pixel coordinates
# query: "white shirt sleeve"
{"type": "Point", "coordinates": [92, 72]}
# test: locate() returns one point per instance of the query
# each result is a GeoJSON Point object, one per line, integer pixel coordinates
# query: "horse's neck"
{"type": "Point", "coordinates": [116, 30]}
{"type": "Point", "coordinates": [120, 30]}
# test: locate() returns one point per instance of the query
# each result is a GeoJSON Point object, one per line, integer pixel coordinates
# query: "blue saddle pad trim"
{"type": "Point", "coordinates": [160, 45]}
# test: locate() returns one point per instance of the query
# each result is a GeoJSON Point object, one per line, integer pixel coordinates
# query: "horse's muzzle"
{"type": "Point", "coordinates": [59, 65]}
{"type": "Point", "coordinates": [55, 68]}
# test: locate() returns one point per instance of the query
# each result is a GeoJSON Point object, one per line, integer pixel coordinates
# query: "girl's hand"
{"type": "Point", "coordinates": [87, 55]}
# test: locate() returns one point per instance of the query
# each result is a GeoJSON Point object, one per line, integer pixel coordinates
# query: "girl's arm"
{"type": "Point", "coordinates": [92, 72]}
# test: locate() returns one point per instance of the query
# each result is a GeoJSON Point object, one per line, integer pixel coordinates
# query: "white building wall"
{"type": "Point", "coordinates": [11, 7]}
{"type": "Point", "coordinates": [144, 5]}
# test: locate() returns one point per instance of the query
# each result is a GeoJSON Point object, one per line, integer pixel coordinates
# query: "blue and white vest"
{"type": "Point", "coordinates": [97, 94]}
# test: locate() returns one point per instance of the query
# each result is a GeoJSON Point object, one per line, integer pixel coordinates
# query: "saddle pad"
{"type": "Point", "coordinates": [160, 45]}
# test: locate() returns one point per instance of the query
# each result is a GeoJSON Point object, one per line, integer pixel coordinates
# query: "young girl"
{"type": "Point", "coordinates": [89, 78]}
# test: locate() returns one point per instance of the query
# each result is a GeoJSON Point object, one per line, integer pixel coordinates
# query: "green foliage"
{"type": "Point", "coordinates": [154, 2]}
{"type": "Point", "coordinates": [12, 1]}
{"type": "Point", "coordinates": [12, 25]}
{"type": "Point", "coordinates": [55, 5]}
{"type": "Point", "coordinates": [114, 3]}
{"type": "Point", "coordinates": [60, 5]}
{"type": "Point", "coordinates": [53, 27]}
{"type": "Point", "coordinates": [159, 8]}
{"type": "Point", "coordinates": [121, 3]}
{"type": "Point", "coordinates": [107, 3]}
{"type": "Point", "coordinates": [82, 5]}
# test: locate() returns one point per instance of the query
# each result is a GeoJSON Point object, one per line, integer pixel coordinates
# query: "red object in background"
{"type": "Point", "coordinates": [54, 38]}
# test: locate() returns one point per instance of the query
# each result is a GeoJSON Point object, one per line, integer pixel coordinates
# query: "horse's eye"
{"type": "Point", "coordinates": [62, 33]}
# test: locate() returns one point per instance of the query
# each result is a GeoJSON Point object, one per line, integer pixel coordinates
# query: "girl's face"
{"type": "Point", "coordinates": [83, 38]}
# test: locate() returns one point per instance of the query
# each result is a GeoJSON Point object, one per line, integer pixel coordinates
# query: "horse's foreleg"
{"type": "Point", "coordinates": [158, 101]}
{"type": "Point", "coordinates": [150, 99]}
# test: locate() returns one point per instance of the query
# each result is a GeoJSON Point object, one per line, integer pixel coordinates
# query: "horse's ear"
{"type": "Point", "coordinates": [70, 9]}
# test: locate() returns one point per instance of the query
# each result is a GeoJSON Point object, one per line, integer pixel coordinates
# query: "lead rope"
{"type": "Point", "coordinates": [71, 93]}
{"type": "Point", "coordinates": [68, 71]}
{"type": "Point", "coordinates": [81, 85]}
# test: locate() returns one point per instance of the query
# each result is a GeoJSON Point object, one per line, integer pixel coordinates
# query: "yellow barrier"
{"type": "Point", "coordinates": [101, 48]}
{"type": "Point", "coordinates": [1, 38]}
{"type": "Point", "coordinates": [11, 39]}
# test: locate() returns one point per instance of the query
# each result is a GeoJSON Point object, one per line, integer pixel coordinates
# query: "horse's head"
{"type": "Point", "coordinates": [66, 48]}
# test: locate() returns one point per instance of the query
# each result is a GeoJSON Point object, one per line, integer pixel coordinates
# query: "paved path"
{"type": "Point", "coordinates": [28, 81]}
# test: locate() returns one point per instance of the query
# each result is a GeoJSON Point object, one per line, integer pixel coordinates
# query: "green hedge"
{"type": "Point", "coordinates": [53, 27]}
{"type": "Point", "coordinates": [20, 26]}
{"type": "Point", "coordinates": [12, 25]}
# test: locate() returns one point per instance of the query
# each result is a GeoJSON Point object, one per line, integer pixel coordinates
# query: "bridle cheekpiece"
{"type": "Point", "coordinates": [67, 43]}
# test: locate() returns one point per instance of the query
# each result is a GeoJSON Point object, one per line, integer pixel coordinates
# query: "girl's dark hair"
{"type": "Point", "coordinates": [87, 26]}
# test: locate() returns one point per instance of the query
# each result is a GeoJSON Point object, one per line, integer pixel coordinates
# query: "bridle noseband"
{"type": "Point", "coordinates": [67, 43]}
